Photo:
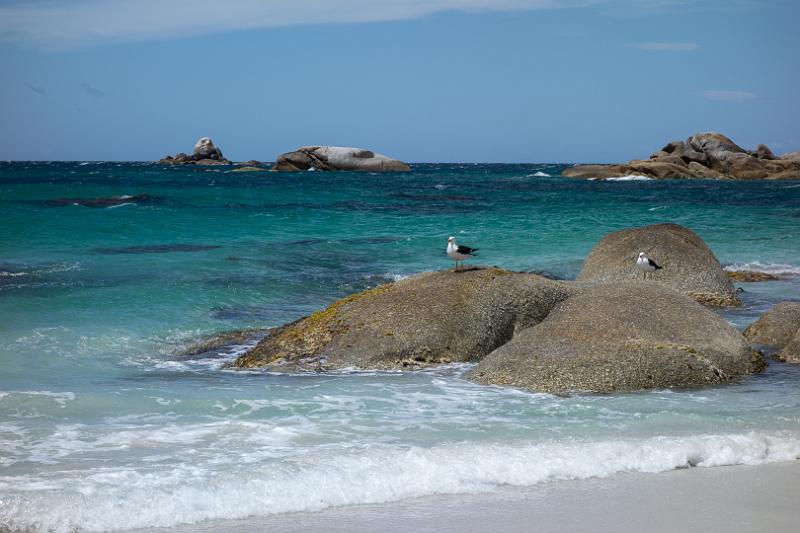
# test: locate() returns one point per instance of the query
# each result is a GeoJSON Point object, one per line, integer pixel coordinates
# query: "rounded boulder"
{"type": "Point", "coordinates": [688, 265]}
{"type": "Point", "coordinates": [432, 318]}
{"type": "Point", "coordinates": [621, 337]}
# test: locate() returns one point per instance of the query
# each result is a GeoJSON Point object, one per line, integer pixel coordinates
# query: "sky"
{"type": "Point", "coordinates": [420, 80]}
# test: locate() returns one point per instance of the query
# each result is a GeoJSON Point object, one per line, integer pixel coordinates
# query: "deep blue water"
{"type": "Point", "coordinates": [108, 269]}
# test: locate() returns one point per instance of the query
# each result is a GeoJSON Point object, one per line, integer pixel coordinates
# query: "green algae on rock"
{"type": "Point", "coordinates": [431, 318]}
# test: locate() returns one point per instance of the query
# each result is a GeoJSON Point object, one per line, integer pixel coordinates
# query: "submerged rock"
{"type": "Point", "coordinates": [621, 337]}
{"type": "Point", "coordinates": [337, 158]}
{"type": "Point", "coordinates": [432, 318]}
{"type": "Point", "coordinates": [750, 276]}
{"type": "Point", "coordinates": [100, 202]}
{"type": "Point", "coordinates": [779, 328]}
{"type": "Point", "coordinates": [704, 155]}
{"type": "Point", "coordinates": [249, 169]}
{"type": "Point", "coordinates": [157, 249]}
{"type": "Point", "coordinates": [688, 264]}
{"type": "Point", "coordinates": [205, 153]}
{"type": "Point", "coordinates": [223, 340]}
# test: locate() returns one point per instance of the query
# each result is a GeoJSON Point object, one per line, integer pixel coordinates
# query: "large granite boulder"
{"type": "Point", "coordinates": [708, 155]}
{"type": "Point", "coordinates": [431, 318]}
{"type": "Point", "coordinates": [621, 337]}
{"type": "Point", "coordinates": [688, 265]}
{"type": "Point", "coordinates": [778, 329]}
{"type": "Point", "coordinates": [337, 158]}
{"type": "Point", "coordinates": [205, 153]}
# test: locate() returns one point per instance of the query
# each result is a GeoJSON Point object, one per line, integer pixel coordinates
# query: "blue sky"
{"type": "Point", "coordinates": [421, 80]}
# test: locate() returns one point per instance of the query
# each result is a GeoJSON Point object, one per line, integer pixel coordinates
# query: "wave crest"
{"type": "Point", "coordinates": [191, 492]}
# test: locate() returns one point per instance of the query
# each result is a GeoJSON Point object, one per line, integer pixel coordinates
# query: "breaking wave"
{"type": "Point", "coordinates": [111, 498]}
{"type": "Point", "coordinates": [768, 268]}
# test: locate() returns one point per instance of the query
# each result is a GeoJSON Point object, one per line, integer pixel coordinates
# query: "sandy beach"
{"type": "Point", "coordinates": [733, 499]}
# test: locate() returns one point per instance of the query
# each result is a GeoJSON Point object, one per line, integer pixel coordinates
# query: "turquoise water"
{"type": "Point", "coordinates": [100, 418]}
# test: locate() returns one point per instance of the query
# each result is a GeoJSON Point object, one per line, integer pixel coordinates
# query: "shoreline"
{"type": "Point", "coordinates": [734, 499]}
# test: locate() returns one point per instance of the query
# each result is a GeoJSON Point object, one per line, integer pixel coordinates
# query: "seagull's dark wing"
{"type": "Point", "coordinates": [653, 264]}
{"type": "Point", "coordinates": [466, 250]}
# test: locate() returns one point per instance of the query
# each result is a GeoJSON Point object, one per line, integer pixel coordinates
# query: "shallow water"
{"type": "Point", "coordinates": [103, 426]}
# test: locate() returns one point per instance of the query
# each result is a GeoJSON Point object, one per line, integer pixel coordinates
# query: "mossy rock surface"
{"type": "Point", "coordinates": [428, 319]}
{"type": "Point", "coordinates": [688, 264]}
{"type": "Point", "coordinates": [623, 336]}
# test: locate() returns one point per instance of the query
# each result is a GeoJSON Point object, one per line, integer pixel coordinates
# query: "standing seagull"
{"type": "Point", "coordinates": [646, 264]}
{"type": "Point", "coordinates": [458, 253]}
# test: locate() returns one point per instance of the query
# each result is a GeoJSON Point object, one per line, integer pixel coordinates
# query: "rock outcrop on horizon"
{"type": "Point", "coordinates": [622, 337]}
{"type": "Point", "coordinates": [432, 318]}
{"type": "Point", "coordinates": [205, 153]}
{"type": "Point", "coordinates": [337, 158]}
{"type": "Point", "coordinates": [779, 329]}
{"type": "Point", "coordinates": [704, 155]}
{"type": "Point", "coordinates": [689, 266]}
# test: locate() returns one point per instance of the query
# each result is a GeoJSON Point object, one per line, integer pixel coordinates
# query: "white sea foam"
{"type": "Point", "coordinates": [768, 268]}
{"type": "Point", "coordinates": [540, 174]}
{"type": "Point", "coordinates": [61, 398]}
{"type": "Point", "coordinates": [632, 177]}
{"type": "Point", "coordinates": [112, 498]}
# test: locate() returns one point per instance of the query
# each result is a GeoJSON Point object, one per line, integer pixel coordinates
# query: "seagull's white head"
{"type": "Point", "coordinates": [641, 255]}
{"type": "Point", "coordinates": [451, 239]}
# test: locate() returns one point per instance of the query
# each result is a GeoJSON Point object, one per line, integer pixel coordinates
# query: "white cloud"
{"type": "Point", "coordinates": [666, 47]}
{"type": "Point", "coordinates": [75, 23]}
{"type": "Point", "coordinates": [727, 96]}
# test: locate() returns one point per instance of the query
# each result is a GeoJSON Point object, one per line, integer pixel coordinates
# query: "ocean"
{"type": "Point", "coordinates": [104, 425]}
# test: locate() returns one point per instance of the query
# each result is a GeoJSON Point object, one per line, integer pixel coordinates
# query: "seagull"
{"type": "Point", "coordinates": [458, 253]}
{"type": "Point", "coordinates": [646, 264]}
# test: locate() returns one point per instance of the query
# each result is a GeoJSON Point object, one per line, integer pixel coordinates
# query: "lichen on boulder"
{"type": "Point", "coordinates": [432, 318]}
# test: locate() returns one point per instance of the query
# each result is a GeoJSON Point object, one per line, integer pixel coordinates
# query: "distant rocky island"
{"type": "Point", "coordinates": [205, 153]}
{"type": "Point", "coordinates": [337, 158]}
{"type": "Point", "coordinates": [331, 158]}
{"type": "Point", "coordinates": [704, 155]}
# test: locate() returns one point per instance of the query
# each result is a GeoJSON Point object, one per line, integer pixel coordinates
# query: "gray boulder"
{"type": "Point", "coordinates": [337, 158]}
{"type": "Point", "coordinates": [205, 153]}
{"type": "Point", "coordinates": [688, 264]}
{"type": "Point", "coordinates": [431, 318]}
{"type": "Point", "coordinates": [778, 329]}
{"type": "Point", "coordinates": [621, 337]}
{"type": "Point", "coordinates": [791, 352]}
{"type": "Point", "coordinates": [204, 149]}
